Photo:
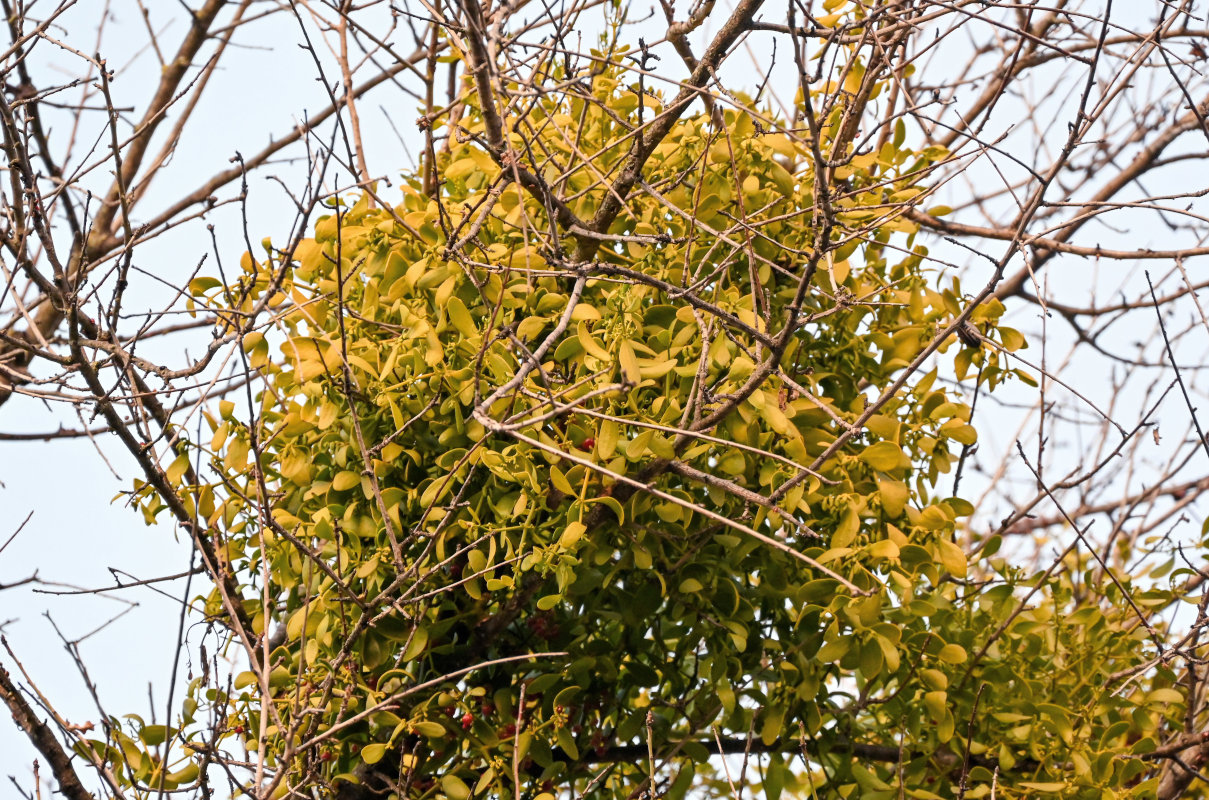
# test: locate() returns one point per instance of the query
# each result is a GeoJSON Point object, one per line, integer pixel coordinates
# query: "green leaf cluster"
{"type": "Point", "coordinates": [518, 516]}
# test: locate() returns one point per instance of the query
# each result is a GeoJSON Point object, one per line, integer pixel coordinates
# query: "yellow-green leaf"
{"type": "Point", "coordinates": [433, 730]}
{"type": "Point", "coordinates": [629, 363]}
{"type": "Point", "coordinates": [883, 456]}
{"type": "Point", "coordinates": [1165, 695]}
{"type": "Point", "coordinates": [572, 534]}
{"type": "Point", "coordinates": [606, 439]}
{"type": "Point", "coordinates": [460, 317]}
{"type": "Point", "coordinates": [346, 480]}
{"type": "Point", "coordinates": [373, 753]}
{"type": "Point", "coordinates": [454, 787]}
{"type": "Point", "coordinates": [952, 557]}
{"type": "Point", "coordinates": [177, 468]}
{"type": "Point", "coordinates": [894, 495]}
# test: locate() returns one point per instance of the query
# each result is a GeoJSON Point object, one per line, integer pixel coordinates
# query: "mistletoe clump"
{"type": "Point", "coordinates": [538, 498]}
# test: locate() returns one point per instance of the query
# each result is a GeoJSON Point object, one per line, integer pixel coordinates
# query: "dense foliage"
{"type": "Point", "coordinates": [531, 509]}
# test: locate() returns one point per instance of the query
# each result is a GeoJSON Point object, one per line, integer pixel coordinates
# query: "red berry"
{"type": "Point", "coordinates": [589, 443]}
{"type": "Point", "coordinates": [467, 721]}
{"type": "Point", "coordinates": [238, 729]}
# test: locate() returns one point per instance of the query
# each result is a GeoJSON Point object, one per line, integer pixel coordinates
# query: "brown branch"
{"type": "Point", "coordinates": [165, 95]}
{"type": "Point", "coordinates": [1049, 245]}
{"type": "Point", "coordinates": [1181, 769]}
{"type": "Point", "coordinates": [1183, 493]}
{"type": "Point", "coordinates": [479, 64]}
{"type": "Point", "coordinates": [1142, 162]}
{"type": "Point", "coordinates": [50, 315]}
{"type": "Point", "coordinates": [42, 738]}
{"type": "Point", "coordinates": [644, 145]}
{"type": "Point", "coordinates": [891, 754]}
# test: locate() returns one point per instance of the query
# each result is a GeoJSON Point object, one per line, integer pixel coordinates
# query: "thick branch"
{"type": "Point", "coordinates": [43, 738]}
{"type": "Point", "coordinates": [644, 145]}
{"type": "Point", "coordinates": [157, 111]}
